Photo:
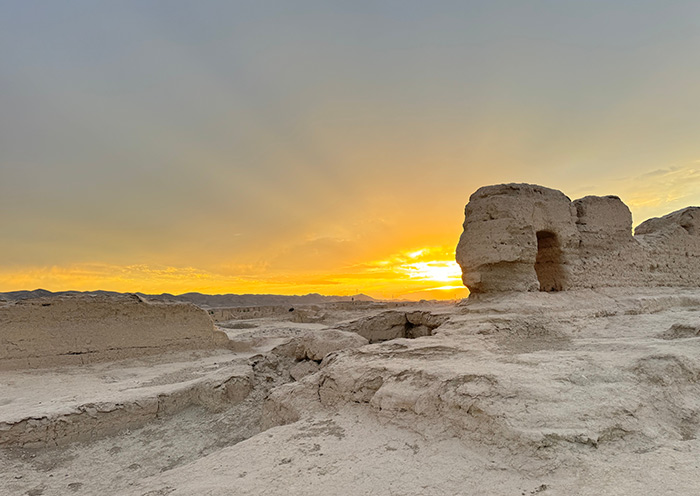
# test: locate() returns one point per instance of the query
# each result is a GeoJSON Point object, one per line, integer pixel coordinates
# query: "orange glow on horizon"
{"type": "Point", "coordinates": [373, 256]}
{"type": "Point", "coordinates": [426, 273]}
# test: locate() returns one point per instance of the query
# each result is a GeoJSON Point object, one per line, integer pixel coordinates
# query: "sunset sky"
{"type": "Point", "coordinates": [322, 146]}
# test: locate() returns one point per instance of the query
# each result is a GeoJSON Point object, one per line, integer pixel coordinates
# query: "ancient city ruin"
{"type": "Point", "coordinates": [74, 330]}
{"type": "Point", "coordinates": [134, 394]}
{"type": "Point", "coordinates": [524, 237]}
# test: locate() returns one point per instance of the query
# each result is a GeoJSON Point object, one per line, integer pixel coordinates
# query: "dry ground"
{"type": "Point", "coordinates": [579, 393]}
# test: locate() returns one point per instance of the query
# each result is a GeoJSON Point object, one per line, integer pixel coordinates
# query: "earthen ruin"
{"type": "Point", "coordinates": [524, 237]}
{"type": "Point", "coordinates": [63, 330]}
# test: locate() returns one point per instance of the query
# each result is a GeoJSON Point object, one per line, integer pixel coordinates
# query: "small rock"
{"type": "Point", "coordinates": [302, 369]}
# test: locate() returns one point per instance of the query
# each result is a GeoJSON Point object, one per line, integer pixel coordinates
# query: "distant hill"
{"type": "Point", "coordinates": [203, 300]}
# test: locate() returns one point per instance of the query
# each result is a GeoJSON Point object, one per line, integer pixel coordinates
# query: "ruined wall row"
{"type": "Point", "coordinates": [523, 237]}
{"type": "Point", "coordinates": [85, 329]}
{"type": "Point", "coordinates": [672, 245]}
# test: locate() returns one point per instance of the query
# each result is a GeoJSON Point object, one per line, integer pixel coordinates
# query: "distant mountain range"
{"type": "Point", "coordinates": [202, 300]}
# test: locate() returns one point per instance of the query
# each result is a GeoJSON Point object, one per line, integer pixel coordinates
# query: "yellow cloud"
{"type": "Point", "coordinates": [662, 191]}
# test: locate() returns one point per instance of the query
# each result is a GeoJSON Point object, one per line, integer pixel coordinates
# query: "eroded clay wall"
{"type": "Point", "coordinates": [253, 312]}
{"type": "Point", "coordinates": [672, 245]}
{"type": "Point", "coordinates": [498, 248]}
{"type": "Point", "coordinates": [607, 254]}
{"type": "Point", "coordinates": [522, 237]}
{"type": "Point", "coordinates": [83, 329]}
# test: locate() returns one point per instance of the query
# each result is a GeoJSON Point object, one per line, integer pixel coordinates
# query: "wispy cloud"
{"type": "Point", "coordinates": [662, 190]}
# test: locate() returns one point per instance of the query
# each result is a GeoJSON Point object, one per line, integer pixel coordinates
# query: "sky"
{"type": "Point", "coordinates": [304, 146]}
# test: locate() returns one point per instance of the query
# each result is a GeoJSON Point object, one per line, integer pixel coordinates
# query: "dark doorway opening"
{"type": "Point", "coordinates": [548, 263]}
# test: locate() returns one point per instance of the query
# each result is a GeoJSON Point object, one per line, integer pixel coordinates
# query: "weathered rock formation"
{"type": "Point", "coordinates": [394, 325]}
{"type": "Point", "coordinates": [82, 329]}
{"type": "Point", "coordinates": [524, 237]}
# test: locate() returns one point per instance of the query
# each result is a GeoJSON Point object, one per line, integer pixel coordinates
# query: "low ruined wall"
{"type": "Point", "coordinates": [298, 313]}
{"type": "Point", "coordinates": [523, 237]}
{"type": "Point", "coordinates": [255, 312]}
{"type": "Point", "coordinates": [83, 329]}
{"type": "Point", "coordinates": [672, 245]}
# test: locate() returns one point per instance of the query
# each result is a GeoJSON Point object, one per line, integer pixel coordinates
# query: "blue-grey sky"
{"type": "Point", "coordinates": [281, 144]}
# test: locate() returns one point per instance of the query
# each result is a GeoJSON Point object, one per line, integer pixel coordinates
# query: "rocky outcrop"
{"type": "Point", "coordinates": [524, 237]}
{"type": "Point", "coordinates": [83, 329]}
{"type": "Point", "coordinates": [315, 345]}
{"type": "Point", "coordinates": [393, 325]}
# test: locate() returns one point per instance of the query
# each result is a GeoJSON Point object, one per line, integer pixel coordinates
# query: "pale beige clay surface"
{"type": "Point", "coordinates": [584, 392]}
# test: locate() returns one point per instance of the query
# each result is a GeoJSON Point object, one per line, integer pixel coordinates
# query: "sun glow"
{"type": "Point", "coordinates": [428, 272]}
{"type": "Point", "coordinates": [446, 288]}
{"type": "Point", "coordinates": [436, 270]}
{"type": "Point", "coordinates": [426, 264]}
